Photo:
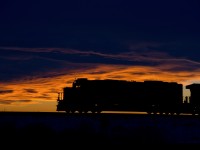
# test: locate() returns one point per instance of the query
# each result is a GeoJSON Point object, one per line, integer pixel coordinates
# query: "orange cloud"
{"type": "Point", "coordinates": [47, 88]}
{"type": "Point", "coordinates": [39, 91]}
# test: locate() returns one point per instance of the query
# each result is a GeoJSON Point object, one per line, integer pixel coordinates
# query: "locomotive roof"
{"type": "Point", "coordinates": [194, 85]}
{"type": "Point", "coordinates": [78, 80]}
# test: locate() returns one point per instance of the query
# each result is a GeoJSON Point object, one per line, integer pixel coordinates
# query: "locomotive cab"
{"type": "Point", "coordinates": [194, 99]}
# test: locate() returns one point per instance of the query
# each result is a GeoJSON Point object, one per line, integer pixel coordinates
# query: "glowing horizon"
{"type": "Point", "coordinates": [40, 94]}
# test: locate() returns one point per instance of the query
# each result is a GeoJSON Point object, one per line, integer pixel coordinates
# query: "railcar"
{"type": "Point", "coordinates": [152, 97]}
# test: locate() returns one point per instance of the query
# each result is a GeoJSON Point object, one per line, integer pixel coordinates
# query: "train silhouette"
{"type": "Point", "coordinates": [152, 97]}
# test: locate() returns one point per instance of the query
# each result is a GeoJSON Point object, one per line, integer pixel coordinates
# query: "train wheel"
{"type": "Point", "coordinates": [80, 111]}
{"type": "Point", "coordinates": [149, 113]}
{"type": "Point", "coordinates": [166, 113]}
{"type": "Point", "coordinates": [85, 111]}
{"type": "Point", "coordinates": [67, 111]}
{"type": "Point", "coordinates": [72, 111]}
{"type": "Point", "coordinates": [98, 111]}
{"type": "Point", "coordinates": [193, 113]}
{"type": "Point", "coordinates": [155, 113]}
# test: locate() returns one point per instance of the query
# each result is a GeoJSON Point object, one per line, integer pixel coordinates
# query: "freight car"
{"type": "Point", "coordinates": [153, 97]}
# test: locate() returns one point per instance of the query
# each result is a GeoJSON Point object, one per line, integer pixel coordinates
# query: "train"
{"type": "Point", "coordinates": [149, 96]}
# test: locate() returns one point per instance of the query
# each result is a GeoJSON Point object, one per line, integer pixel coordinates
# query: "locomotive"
{"type": "Point", "coordinates": [150, 96]}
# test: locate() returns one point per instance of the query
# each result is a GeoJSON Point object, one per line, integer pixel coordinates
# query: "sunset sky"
{"type": "Point", "coordinates": [46, 44]}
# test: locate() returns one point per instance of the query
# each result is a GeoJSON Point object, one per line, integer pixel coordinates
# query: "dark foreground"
{"type": "Point", "coordinates": [96, 130]}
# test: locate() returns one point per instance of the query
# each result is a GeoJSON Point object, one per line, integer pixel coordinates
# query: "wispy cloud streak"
{"type": "Point", "coordinates": [43, 72]}
{"type": "Point", "coordinates": [133, 55]}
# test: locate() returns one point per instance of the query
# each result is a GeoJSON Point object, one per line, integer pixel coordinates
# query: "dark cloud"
{"type": "Point", "coordinates": [53, 90]}
{"type": "Point", "coordinates": [6, 91]}
{"type": "Point", "coordinates": [15, 65]}
{"type": "Point", "coordinates": [44, 96]}
{"type": "Point", "coordinates": [30, 90]}
{"type": "Point", "coordinates": [29, 63]}
{"type": "Point", "coordinates": [14, 101]}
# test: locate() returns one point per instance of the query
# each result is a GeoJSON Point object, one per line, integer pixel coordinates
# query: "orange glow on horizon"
{"type": "Point", "coordinates": [40, 94]}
